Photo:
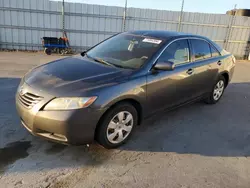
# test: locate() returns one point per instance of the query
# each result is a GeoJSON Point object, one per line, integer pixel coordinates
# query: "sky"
{"type": "Point", "coordinates": [205, 6]}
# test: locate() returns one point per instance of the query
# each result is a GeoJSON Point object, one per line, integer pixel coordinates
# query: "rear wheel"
{"type": "Point", "coordinates": [217, 92]}
{"type": "Point", "coordinates": [117, 125]}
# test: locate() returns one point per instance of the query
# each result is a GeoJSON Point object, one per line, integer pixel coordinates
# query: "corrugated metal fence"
{"type": "Point", "coordinates": [24, 22]}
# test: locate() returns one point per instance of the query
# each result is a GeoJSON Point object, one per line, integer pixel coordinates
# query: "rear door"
{"type": "Point", "coordinates": [216, 62]}
{"type": "Point", "coordinates": [205, 66]}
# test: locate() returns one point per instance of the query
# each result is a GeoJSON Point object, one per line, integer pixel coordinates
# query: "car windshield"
{"type": "Point", "coordinates": [125, 50]}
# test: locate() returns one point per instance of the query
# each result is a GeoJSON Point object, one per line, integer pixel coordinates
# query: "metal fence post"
{"type": "Point", "coordinates": [64, 34]}
{"type": "Point", "coordinates": [230, 27]}
{"type": "Point", "coordinates": [180, 17]}
{"type": "Point", "coordinates": [124, 16]}
{"type": "Point", "coordinates": [63, 17]}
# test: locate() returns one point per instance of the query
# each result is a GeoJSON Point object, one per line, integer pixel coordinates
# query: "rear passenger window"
{"type": "Point", "coordinates": [214, 52]}
{"type": "Point", "coordinates": [201, 49]}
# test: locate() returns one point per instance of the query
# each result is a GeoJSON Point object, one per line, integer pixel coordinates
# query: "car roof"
{"type": "Point", "coordinates": [166, 35]}
{"type": "Point", "coordinates": [163, 34]}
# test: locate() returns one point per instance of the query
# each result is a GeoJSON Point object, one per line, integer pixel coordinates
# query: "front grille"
{"type": "Point", "coordinates": [29, 99]}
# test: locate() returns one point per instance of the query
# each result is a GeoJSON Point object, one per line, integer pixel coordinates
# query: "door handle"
{"type": "Point", "coordinates": [219, 62]}
{"type": "Point", "coordinates": [190, 71]}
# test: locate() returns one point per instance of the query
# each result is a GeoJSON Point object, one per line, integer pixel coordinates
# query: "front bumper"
{"type": "Point", "coordinates": [67, 126]}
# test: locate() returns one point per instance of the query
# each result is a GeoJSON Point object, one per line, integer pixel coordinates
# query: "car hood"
{"type": "Point", "coordinates": [74, 75]}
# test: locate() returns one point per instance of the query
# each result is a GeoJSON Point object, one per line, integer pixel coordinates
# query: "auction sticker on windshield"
{"type": "Point", "coordinates": [154, 41]}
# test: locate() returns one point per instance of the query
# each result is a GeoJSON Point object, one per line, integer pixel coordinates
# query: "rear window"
{"type": "Point", "coordinates": [201, 49]}
{"type": "Point", "coordinates": [214, 52]}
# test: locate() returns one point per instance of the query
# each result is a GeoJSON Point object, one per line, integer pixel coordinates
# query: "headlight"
{"type": "Point", "coordinates": [70, 103]}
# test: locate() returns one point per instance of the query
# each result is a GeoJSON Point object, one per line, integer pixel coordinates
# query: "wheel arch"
{"type": "Point", "coordinates": [225, 74]}
{"type": "Point", "coordinates": [135, 103]}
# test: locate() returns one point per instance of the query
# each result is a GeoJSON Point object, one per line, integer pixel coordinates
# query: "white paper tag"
{"type": "Point", "coordinates": [154, 41]}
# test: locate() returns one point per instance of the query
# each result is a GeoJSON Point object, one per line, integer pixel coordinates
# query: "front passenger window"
{"type": "Point", "coordinates": [177, 52]}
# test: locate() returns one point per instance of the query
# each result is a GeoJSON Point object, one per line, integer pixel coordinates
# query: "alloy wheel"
{"type": "Point", "coordinates": [218, 90]}
{"type": "Point", "coordinates": [120, 127]}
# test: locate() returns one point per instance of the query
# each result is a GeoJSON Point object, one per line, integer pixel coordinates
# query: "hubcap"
{"type": "Point", "coordinates": [218, 90]}
{"type": "Point", "coordinates": [120, 127]}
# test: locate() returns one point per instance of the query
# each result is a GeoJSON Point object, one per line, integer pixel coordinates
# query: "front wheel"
{"type": "Point", "coordinates": [217, 91]}
{"type": "Point", "coordinates": [117, 125]}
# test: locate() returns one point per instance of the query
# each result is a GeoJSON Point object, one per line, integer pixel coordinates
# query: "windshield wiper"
{"type": "Point", "coordinates": [107, 63]}
{"type": "Point", "coordinates": [120, 66]}
{"type": "Point", "coordinates": [103, 61]}
{"type": "Point", "coordinates": [99, 60]}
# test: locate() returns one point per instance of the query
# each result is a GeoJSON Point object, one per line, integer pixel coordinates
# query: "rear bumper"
{"type": "Point", "coordinates": [68, 127]}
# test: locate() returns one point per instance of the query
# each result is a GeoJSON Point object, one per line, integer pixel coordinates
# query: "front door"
{"type": "Point", "coordinates": [166, 89]}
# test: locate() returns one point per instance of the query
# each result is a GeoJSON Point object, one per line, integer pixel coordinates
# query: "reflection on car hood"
{"type": "Point", "coordinates": [75, 74]}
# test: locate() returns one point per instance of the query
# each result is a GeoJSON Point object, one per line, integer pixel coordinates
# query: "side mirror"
{"type": "Point", "coordinates": [164, 65]}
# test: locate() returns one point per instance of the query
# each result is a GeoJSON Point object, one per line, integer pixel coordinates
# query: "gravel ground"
{"type": "Point", "coordinates": [194, 146]}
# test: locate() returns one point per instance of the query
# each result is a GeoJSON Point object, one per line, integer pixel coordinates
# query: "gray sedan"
{"type": "Point", "coordinates": [106, 91]}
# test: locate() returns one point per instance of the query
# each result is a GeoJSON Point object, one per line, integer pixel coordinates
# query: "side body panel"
{"type": "Point", "coordinates": [166, 89]}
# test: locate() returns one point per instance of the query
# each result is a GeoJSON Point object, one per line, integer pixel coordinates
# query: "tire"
{"type": "Point", "coordinates": [108, 134]}
{"type": "Point", "coordinates": [214, 98]}
{"type": "Point", "coordinates": [47, 51]}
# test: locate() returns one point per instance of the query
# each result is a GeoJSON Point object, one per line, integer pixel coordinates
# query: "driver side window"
{"type": "Point", "coordinates": [177, 52]}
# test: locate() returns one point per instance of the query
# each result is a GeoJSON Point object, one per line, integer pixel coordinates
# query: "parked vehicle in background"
{"type": "Point", "coordinates": [105, 92]}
